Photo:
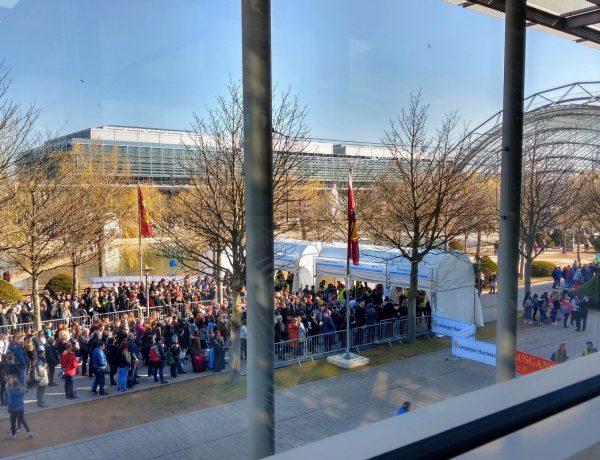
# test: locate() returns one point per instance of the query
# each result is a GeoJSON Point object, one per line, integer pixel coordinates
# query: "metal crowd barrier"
{"type": "Point", "coordinates": [319, 346]}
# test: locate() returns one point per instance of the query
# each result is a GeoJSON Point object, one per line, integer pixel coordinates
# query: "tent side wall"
{"type": "Point", "coordinates": [455, 288]}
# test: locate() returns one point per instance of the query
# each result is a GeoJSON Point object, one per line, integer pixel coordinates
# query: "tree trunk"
{"type": "Point", "coordinates": [527, 271]}
{"type": "Point", "coordinates": [218, 277]}
{"type": "Point", "coordinates": [412, 299]}
{"type": "Point", "coordinates": [101, 269]}
{"type": "Point", "coordinates": [564, 246]}
{"type": "Point", "coordinates": [36, 301]}
{"type": "Point", "coordinates": [466, 240]}
{"type": "Point", "coordinates": [521, 262]}
{"type": "Point", "coordinates": [578, 243]}
{"type": "Point", "coordinates": [75, 274]}
{"type": "Point", "coordinates": [236, 317]}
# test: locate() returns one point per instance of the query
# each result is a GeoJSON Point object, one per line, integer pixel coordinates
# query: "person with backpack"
{"type": "Point", "coordinates": [172, 356]}
{"type": "Point", "coordinates": [157, 358]}
{"type": "Point", "coordinates": [40, 377]}
{"type": "Point", "coordinates": [16, 406]}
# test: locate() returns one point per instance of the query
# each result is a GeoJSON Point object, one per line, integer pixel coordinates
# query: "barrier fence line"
{"type": "Point", "coordinates": [287, 352]}
{"type": "Point", "coordinates": [297, 351]}
{"type": "Point", "coordinates": [86, 321]}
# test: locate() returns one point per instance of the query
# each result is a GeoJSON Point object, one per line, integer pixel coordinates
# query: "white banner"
{"type": "Point", "coordinates": [475, 350]}
{"type": "Point", "coordinates": [451, 327]}
{"type": "Point", "coordinates": [464, 344]}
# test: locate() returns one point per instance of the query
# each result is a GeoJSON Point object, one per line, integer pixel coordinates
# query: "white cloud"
{"type": "Point", "coordinates": [8, 3]}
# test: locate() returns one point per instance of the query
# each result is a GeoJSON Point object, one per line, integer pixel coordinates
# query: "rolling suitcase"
{"type": "Point", "coordinates": [199, 363]}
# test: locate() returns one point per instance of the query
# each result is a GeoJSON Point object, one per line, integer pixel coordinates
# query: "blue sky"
{"type": "Point", "coordinates": [353, 62]}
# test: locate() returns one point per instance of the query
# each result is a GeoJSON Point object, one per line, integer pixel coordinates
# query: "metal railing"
{"type": "Point", "coordinates": [296, 351]}
{"type": "Point", "coordinates": [86, 321]}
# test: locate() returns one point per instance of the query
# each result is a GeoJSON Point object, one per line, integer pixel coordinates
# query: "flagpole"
{"type": "Point", "coordinates": [139, 213]}
{"type": "Point", "coordinates": [347, 357]}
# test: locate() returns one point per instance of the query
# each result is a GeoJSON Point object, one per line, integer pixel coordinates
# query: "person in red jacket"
{"type": "Point", "coordinates": [69, 365]}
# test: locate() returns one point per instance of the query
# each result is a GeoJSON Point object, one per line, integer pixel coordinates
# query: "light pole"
{"type": "Point", "coordinates": [147, 270]}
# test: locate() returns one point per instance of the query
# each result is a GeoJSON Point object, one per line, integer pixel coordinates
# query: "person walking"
{"type": "Point", "coordinates": [69, 364]}
{"type": "Point", "coordinates": [15, 402]}
{"type": "Point", "coordinates": [589, 348]}
{"type": "Point", "coordinates": [404, 408]}
{"type": "Point", "coordinates": [583, 314]}
{"type": "Point", "coordinates": [493, 281]}
{"type": "Point", "coordinates": [565, 307]}
{"type": "Point", "coordinates": [560, 354]}
{"type": "Point", "coordinates": [99, 363]}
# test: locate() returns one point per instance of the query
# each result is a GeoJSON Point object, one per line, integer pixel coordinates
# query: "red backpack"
{"type": "Point", "coordinates": [154, 354]}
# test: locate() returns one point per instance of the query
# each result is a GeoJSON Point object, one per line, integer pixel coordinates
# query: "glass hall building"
{"type": "Point", "coordinates": [156, 155]}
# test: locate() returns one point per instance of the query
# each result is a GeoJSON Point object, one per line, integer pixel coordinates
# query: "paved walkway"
{"type": "Point", "coordinates": [55, 396]}
{"type": "Point", "coordinates": [315, 410]}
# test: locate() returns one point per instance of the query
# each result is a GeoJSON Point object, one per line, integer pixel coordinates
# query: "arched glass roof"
{"type": "Point", "coordinates": [562, 123]}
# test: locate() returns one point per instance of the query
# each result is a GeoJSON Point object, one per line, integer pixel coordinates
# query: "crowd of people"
{"type": "Point", "coordinates": [571, 276]}
{"type": "Point", "coordinates": [312, 311]}
{"type": "Point", "coordinates": [120, 346]}
{"type": "Point", "coordinates": [116, 298]}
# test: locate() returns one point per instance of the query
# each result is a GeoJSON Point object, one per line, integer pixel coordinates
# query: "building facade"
{"type": "Point", "coordinates": [157, 155]}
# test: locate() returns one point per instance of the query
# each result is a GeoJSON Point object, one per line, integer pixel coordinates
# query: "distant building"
{"type": "Point", "coordinates": [155, 155]}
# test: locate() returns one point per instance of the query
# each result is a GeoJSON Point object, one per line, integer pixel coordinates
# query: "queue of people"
{"type": "Point", "coordinates": [109, 299]}
{"type": "Point", "coordinates": [557, 308]}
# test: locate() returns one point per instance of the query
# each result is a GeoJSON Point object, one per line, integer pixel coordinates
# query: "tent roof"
{"type": "Point", "coordinates": [373, 254]}
{"type": "Point", "coordinates": [292, 248]}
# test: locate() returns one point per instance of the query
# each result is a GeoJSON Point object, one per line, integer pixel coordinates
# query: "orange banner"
{"type": "Point", "coordinates": [526, 363]}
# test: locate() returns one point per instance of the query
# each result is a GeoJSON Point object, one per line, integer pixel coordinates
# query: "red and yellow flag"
{"type": "Point", "coordinates": [146, 229]}
{"type": "Point", "coordinates": [352, 228]}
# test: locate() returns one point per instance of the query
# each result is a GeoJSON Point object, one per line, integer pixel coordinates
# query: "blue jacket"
{"type": "Point", "coordinates": [21, 357]}
{"type": "Point", "coordinates": [98, 358]}
{"type": "Point", "coordinates": [328, 325]}
{"type": "Point", "coordinates": [14, 399]}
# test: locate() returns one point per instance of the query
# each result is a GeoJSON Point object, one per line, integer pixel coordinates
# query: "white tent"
{"type": "Point", "coordinates": [297, 256]}
{"type": "Point", "coordinates": [294, 256]}
{"type": "Point", "coordinates": [447, 276]}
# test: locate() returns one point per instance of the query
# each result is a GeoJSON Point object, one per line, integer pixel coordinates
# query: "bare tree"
{"type": "Point", "coordinates": [430, 195]}
{"type": "Point", "coordinates": [16, 136]}
{"type": "Point", "coordinates": [209, 217]}
{"type": "Point", "coordinates": [37, 215]}
{"type": "Point", "coordinates": [99, 197]}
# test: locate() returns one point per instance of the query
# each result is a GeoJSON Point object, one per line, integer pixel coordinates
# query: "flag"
{"type": "Point", "coordinates": [352, 228]}
{"type": "Point", "coordinates": [145, 225]}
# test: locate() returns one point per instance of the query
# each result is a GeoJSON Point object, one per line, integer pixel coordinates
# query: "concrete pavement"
{"type": "Point", "coordinates": [315, 410]}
